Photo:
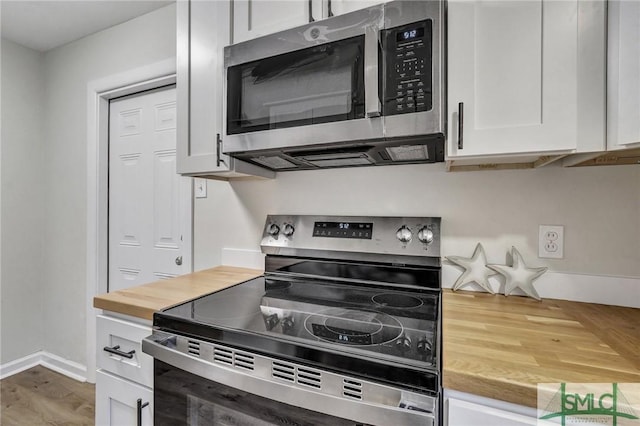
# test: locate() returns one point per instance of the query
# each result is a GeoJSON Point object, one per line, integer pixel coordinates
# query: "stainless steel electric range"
{"type": "Point", "coordinates": [342, 329]}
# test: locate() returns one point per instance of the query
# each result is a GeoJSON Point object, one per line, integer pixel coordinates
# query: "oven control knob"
{"type": "Point", "coordinates": [271, 321]}
{"type": "Point", "coordinates": [404, 234]}
{"type": "Point", "coordinates": [425, 235]}
{"type": "Point", "coordinates": [273, 230]}
{"type": "Point", "coordinates": [403, 343]}
{"type": "Point", "coordinates": [287, 324]}
{"type": "Point", "coordinates": [288, 230]}
{"type": "Point", "coordinates": [424, 346]}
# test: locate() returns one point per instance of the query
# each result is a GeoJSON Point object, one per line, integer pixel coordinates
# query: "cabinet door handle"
{"type": "Point", "coordinates": [460, 124]}
{"type": "Point", "coordinates": [311, 11]}
{"type": "Point", "coordinates": [140, 406]}
{"type": "Point", "coordinates": [329, 11]}
{"type": "Point", "coordinates": [218, 149]}
{"type": "Point", "coordinates": [115, 350]}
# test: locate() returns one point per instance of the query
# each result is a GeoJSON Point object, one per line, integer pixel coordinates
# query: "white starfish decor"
{"type": "Point", "coordinates": [475, 270]}
{"type": "Point", "coordinates": [519, 275]}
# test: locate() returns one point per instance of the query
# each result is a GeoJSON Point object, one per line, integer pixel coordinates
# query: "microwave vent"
{"type": "Point", "coordinates": [408, 153]}
{"type": "Point", "coordinates": [274, 162]}
{"type": "Point", "coordinates": [350, 156]}
{"type": "Point", "coordinates": [341, 162]}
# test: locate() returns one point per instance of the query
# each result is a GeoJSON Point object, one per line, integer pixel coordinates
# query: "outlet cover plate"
{"type": "Point", "coordinates": [551, 241]}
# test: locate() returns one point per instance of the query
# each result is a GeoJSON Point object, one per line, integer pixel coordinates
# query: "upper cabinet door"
{"type": "Point", "coordinates": [623, 95]}
{"type": "Point", "coordinates": [255, 18]}
{"type": "Point", "coordinates": [525, 76]}
{"type": "Point", "coordinates": [339, 7]}
{"type": "Point", "coordinates": [202, 31]}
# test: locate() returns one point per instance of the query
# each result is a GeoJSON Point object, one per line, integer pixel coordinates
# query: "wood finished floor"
{"type": "Point", "coordinates": [39, 396]}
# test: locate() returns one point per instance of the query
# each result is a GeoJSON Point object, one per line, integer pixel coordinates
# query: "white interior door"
{"type": "Point", "coordinates": [149, 203]}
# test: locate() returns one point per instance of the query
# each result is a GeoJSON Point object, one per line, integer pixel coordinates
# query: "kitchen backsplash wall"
{"type": "Point", "coordinates": [599, 207]}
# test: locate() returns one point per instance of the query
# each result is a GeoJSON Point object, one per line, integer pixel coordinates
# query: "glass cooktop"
{"type": "Point", "coordinates": [372, 322]}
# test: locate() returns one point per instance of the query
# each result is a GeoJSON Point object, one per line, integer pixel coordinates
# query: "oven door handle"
{"type": "Point", "coordinates": [372, 70]}
{"type": "Point", "coordinates": [396, 406]}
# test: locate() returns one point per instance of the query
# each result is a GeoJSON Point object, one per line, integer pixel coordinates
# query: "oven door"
{"type": "Point", "coordinates": [198, 383]}
{"type": "Point", "coordinates": [183, 398]}
{"type": "Point", "coordinates": [314, 84]}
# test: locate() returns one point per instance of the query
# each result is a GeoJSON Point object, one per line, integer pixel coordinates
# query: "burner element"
{"type": "Point", "coordinates": [395, 300]}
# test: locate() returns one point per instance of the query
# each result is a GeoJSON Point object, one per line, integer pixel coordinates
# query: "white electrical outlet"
{"type": "Point", "coordinates": [551, 241]}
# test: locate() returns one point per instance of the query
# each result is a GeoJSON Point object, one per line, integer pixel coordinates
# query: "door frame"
{"type": "Point", "coordinates": [99, 92]}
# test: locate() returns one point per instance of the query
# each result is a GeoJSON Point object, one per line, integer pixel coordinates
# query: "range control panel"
{"type": "Point", "coordinates": [381, 235]}
{"type": "Point", "coordinates": [408, 65]}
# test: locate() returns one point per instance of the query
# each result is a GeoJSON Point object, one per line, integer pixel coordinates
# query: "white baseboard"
{"type": "Point", "coordinates": [243, 258]}
{"type": "Point", "coordinates": [19, 365]}
{"type": "Point", "coordinates": [619, 291]}
{"type": "Point", "coordinates": [64, 366]}
{"type": "Point", "coordinates": [53, 362]}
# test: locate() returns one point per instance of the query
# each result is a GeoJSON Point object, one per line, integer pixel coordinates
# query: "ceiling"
{"type": "Point", "coordinates": [44, 25]}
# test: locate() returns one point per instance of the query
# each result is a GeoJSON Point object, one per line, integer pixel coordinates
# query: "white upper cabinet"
{"type": "Point", "coordinates": [255, 18]}
{"type": "Point", "coordinates": [623, 96]}
{"type": "Point", "coordinates": [203, 29]}
{"type": "Point", "coordinates": [527, 77]}
{"type": "Point", "coordinates": [339, 7]}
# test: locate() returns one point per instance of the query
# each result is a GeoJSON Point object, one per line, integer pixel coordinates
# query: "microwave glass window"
{"type": "Point", "coordinates": [320, 84]}
{"type": "Point", "coordinates": [408, 84]}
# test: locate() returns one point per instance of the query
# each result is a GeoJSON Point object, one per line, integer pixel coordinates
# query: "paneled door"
{"type": "Point", "coordinates": [149, 203]}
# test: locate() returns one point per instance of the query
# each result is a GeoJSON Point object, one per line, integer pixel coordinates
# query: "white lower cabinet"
{"type": "Point", "coordinates": [121, 402]}
{"type": "Point", "coordinates": [124, 380]}
{"type": "Point", "coordinates": [463, 409]}
{"type": "Point", "coordinates": [463, 413]}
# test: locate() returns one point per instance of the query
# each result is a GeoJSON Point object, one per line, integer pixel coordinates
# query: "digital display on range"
{"type": "Point", "coordinates": [341, 335]}
{"type": "Point", "coordinates": [410, 34]}
{"type": "Point", "coordinates": [357, 230]}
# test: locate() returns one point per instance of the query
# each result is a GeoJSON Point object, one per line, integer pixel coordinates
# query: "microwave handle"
{"type": "Point", "coordinates": [371, 71]}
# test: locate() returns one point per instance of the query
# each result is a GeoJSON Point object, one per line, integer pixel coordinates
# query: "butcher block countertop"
{"type": "Point", "coordinates": [501, 347]}
{"type": "Point", "coordinates": [142, 301]}
{"type": "Point", "coordinates": [494, 346]}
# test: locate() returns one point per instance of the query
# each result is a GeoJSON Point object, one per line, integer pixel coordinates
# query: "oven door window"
{"type": "Point", "coordinates": [182, 398]}
{"type": "Point", "coordinates": [319, 84]}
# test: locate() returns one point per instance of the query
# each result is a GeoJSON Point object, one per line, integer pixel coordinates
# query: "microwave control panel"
{"type": "Point", "coordinates": [407, 64]}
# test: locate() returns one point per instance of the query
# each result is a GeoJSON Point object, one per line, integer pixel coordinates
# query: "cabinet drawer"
{"type": "Point", "coordinates": [125, 337]}
{"type": "Point", "coordinates": [117, 401]}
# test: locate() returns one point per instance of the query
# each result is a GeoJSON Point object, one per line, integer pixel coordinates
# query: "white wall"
{"type": "Point", "coordinates": [22, 191]}
{"type": "Point", "coordinates": [599, 207]}
{"type": "Point", "coordinates": [68, 69]}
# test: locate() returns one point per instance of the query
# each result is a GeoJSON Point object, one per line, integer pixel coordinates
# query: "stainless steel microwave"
{"type": "Point", "coordinates": [363, 88]}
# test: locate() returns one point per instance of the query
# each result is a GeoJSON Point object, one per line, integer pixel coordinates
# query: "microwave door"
{"type": "Point", "coordinates": [318, 93]}
{"type": "Point", "coordinates": [316, 85]}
